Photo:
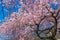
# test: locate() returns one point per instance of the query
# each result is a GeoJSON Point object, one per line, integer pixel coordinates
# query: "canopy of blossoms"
{"type": "Point", "coordinates": [23, 24]}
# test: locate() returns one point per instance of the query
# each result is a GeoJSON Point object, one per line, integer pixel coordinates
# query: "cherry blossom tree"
{"type": "Point", "coordinates": [34, 18]}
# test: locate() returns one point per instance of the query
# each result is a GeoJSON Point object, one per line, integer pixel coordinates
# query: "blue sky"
{"type": "Point", "coordinates": [6, 11]}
